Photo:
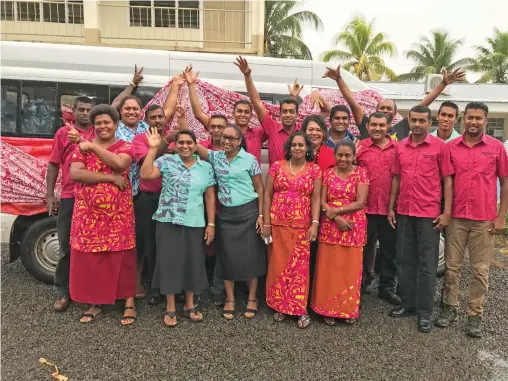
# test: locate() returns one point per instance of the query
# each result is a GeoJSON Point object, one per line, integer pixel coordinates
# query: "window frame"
{"type": "Point", "coordinates": [151, 5]}
{"type": "Point", "coordinates": [39, 4]}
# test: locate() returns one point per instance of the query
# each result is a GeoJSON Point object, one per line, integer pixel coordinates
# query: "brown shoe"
{"type": "Point", "coordinates": [61, 304]}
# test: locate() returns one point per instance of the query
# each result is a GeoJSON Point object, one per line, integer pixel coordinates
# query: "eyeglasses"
{"type": "Point", "coordinates": [230, 138]}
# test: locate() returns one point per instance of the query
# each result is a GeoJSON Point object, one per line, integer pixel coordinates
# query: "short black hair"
{"type": "Point", "coordinates": [83, 99]}
{"type": "Point", "coordinates": [186, 132]}
{"type": "Point", "coordinates": [388, 99]}
{"type": "Point", "coordinates": [423, 110]}
{"type": "Point", "coordinates": [345, 143]}
{"type": "Point", "coordinates": [309, 155]}
{"type": "Point", "coordinates": [449, 104]}
{"type": "Point", "coordinates": [104, 109]}
{"type": "Point", "coordinates": [243, 102]}
{"type": "Point", "coordinates": [335, 109]}
{"type": "Point", "coordinates": [153, 107]}
{"type": "Point", "coordinates": [239, 134]}
{"type": "Point", "coordinates": [220, 116]}
{"type": "Point", "coordinates": [317, 119]}
{"type": "Point", "coordinates": [129, 97]}
{"type": "Point", "coordinates": [477, 106]}
{"type": "Point", "coordinates": [379, 114]}
{"type": "Point", "coordinates": [289, 101]}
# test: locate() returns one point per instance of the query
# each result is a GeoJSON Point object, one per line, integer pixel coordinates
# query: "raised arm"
{"type": "Point", "coordinates": [118, 162]}
{"type": "Point", "coordinates": [131, 88]}
{"type": "Point", "coordinates": [448, 78]}
{"type": "Point", "coordinates": [255, 99]}
{"type": "Point", "coordinates": [294, 91]}
{"type": "Point", "coordinates": [318, 100]}
{"type": "Point", "coordinates": [170, 104]}
{"type": "Point", "coordinates": [191, 78]}
{"type": "Point", "coordinates": [356, 109]}
{"type": "Point", "coordinates": [149, 171]}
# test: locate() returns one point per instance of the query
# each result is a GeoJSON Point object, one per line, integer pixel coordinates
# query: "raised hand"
{"type": "Point", "coordinates": [332, 73]}
{"type": "Point", "coordinates": [295, 89]}
{"type": "Point", "coordinates": [315, 99]}
{"type": "Point", "coordinates": [85, 147]}
{"type": "Point", "coordinates": [138, 75]}
{"type": "Point", "coordinates": [179, 79]}
{"type": "Point", "coordinates": [457, 75]}
{"type": "Point", "coordinates": [179, 111]}
{"type": "Point", "coordinates": [243, 65]}
{"type": "Point", "coordinates": [190, 76]}
{"type": "Point", "coordinates": [73, 135]}
{"type": "Point", "coordinates": [153, 137]}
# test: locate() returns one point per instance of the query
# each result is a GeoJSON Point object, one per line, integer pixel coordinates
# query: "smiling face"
{"type": "Point", "coordinates": [419, 123]}
{"type": "Point", "coordinates": [230, 140]}
{"type": "Point", "coordinates": [243, 115]}
{"type": "Point", "coordinates": [315, 134]}
{"type": "Point", "coordinates": [344, 157]}
{"type": "Point", "coordinates": [475, 121]}
{"type": "Point", "coordinates": [288, 114]}
{"type": "Point", "coordinates": [185, 146]}
{"type": "Point", "coordinates": [298, 147]}
{"type": "Point", "coordinates": [446, 119]}
{"type": "Point", "coordinates": [216, 128]}
{"type": "Point", "coordinates": [130, 113]}
{"type": "Point", "coordinates": [377, 127]}
{"type": "Point", "coordinates": [155, 118]}
{"type": "Point", "coordinates": [105, 128]}
{"type": "Point", "coordinates": [339, 122]}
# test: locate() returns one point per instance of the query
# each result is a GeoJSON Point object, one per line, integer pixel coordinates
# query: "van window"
{"type": "Point", "coordinates": [38, 108]}
{"type": "Point", "coordinates": [68, 92]}
{"type": "Point", "coordinates": [9, 109]}
{"type": "Point", "coordinates": [144, 93]}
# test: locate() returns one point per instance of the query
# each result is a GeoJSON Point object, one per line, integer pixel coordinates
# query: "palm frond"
{"type": "Point", "coordinates": [341, 55]}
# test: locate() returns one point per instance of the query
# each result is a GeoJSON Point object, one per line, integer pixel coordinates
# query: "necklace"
{"type": "Point", "coordinates": [291, 168]}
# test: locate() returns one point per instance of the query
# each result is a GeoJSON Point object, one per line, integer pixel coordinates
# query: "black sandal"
{"type": "Point", "coordinates": [229, 314]}
{"type": "Point", "coordinates": [90, 315]}
{"type": "Point", "coordinates": [125, 317]}
{"type": "Point", "coordinates": [171, 315]}
{"type": "Point", "coordinates": [250, 310]}
{"type": "Point", "coordinates": [187, 313]}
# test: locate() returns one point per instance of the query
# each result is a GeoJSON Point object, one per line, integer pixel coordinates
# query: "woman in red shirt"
{"type": "Point", "coordinates": [315, 127]}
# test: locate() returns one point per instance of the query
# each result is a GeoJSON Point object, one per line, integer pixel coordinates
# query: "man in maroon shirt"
{"type": "Point", "coordinates": [376, 155]}
{"type": "Point", "coordinates": [421, 162]}
{"type": "Point", "coordinates": [479, 160]}
{"type": "Point", "coordinates": [60, 156]}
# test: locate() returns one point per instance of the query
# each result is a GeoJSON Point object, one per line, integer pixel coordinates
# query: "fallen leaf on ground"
{"type": "Point", "coordinates": [56, 374]}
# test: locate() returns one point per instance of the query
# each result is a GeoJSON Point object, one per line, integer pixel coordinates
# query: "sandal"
{"type": "Point", "coordinates": [140, 295]}
{"type": "Point", "coordinates": [90, 315]}
{"type": "Point", "coordinates": [278, 317]}
{"type": "Point", "coordinates": [329, 321]}
{"type": "Point", "coordinates": [229, 314]}
{"type": "Point", "coordinates": [127, 318]}
{"type": "Point", "coordinates": [188, 311]}
{"type": "Point", "coordinates": [350, 321]}
{"type": "Point", "coordinates": [303, 321]}
{"type": "Point", "coordinates": [171, 315]}
{"type": "Point", "coordinates": [252, 313]}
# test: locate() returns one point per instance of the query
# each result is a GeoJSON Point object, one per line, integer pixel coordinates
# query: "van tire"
{"type": "Point", "coordinates": [39, 249]}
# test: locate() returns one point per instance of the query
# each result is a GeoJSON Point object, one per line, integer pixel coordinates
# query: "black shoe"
{"type": "Point", "coordinates": [389, 296]}
{"type": "Point", "coordinates": [473, 327]}
{"type": "Point", "coordinates": [448, 316]}
{"type": "Point", "coordinates": [424, 325]}
{"type": "Point", "coordinates": [219, 299]}
{"type": "Point", "coordinates": [402, 312]}
{"type": "Point", "coordinates": [368, 284]}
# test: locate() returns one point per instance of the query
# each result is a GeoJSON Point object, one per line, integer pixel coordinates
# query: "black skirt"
{"type": "Point", "coordinates": [180, 263]}
{"type": "Point", "coordinates": [242, 250]}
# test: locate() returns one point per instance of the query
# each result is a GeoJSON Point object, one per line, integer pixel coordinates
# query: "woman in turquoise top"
{"type": "Point", "coordinates": [242, 250]}
{"type": "Point", "coordinates": [180, 262]}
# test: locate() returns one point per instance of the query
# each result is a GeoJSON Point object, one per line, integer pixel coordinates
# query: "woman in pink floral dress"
{"type": "Point", "coordinates": [338, 275]}
{"type": "Point", "coordinates": [291, 218]}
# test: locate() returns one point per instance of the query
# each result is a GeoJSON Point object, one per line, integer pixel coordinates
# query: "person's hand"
{"type": "Point", "coordinates": [190, 76]}
{"type": "Point", "coordinates": [330, 213]}
{"type": "Point", "coordinates": [179, 80]}
{"type": "Point", "coordinates": [52, 205]}
{"type": "Point", "coordinates": [457, 75]}
{"type": "Point", "coordinates": [153, 137]}
{"type": "Point", "coordinates": [243, 65]}
{"type": "Point", "coordinates": [497, 226]}
{"type": "Point", "coordinates": [315, 100]}
{"type": "Point", "coordinates": [267, 231]}
{"type": "Point", "coordinates": [312, 233]}
{"type": "Point", "coordinates": [179, 111]}
{"type": "Point", "coordinates": [295, 89]}
{"type": "Point", "coordinates": [85, 147]}
{"type": "Point", "coordinates": [332, 73]}
{"type": "Point", "coordinates": [442, 221]}
{"type": "Point", "coordinates": [209, 234]}
{"type": "Point", "coordinates": [138, 75]}
{"type": "Point", "coordinates": [73, 135]}
{"type": "Point", "coordinates": [120, 181]}
{"type": "Point", "coordinates": [343, 224]}
{"type": "Point", "coordinates": [391, 218]}
{"type": "Point", "coordinates": [259, 224]}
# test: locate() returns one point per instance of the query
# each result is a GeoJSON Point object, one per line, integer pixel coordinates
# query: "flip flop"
{"type": "Point", "coordinates": [171, 315]}
{"type": "Point", "coordinates": [187, 313]}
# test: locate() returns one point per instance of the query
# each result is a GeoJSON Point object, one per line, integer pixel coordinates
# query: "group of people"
{"type": "Point", "coordinates": [140, 204]}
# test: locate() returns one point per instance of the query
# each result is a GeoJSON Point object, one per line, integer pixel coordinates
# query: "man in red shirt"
{"type": "Point", "coordinates": [479, 160]}
{"type": "Point", "coordinates": [376, 155]}
{"type": "Point", "coordinates": [61, 153]}
{"type": "Point", "coordinates": [421, 162]}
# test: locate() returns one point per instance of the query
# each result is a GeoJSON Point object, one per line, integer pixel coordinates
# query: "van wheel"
{"type": "Point", "coordinates": [39, 249]}
{"type": "Point", "coordinates": [441, 265]}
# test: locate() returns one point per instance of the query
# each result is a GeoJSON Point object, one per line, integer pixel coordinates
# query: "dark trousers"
{"type": "Point", "coordinates": [147, 204]}
{"type": "Point", "coordinates": [63, 226]}
{"type": "Point", "coordinates": [417, 258]}
{"type": "Point", "coordinates": [379, 226]}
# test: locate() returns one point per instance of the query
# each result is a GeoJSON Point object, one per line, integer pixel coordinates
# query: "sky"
{"type": "Point", "coordinates": [404, 21]}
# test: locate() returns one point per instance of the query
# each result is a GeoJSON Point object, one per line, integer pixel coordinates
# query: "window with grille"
{"type": "Point", "coordinates": [495, 128]}
{"type": "Point", "coordinates": [57, 11]}
{"type": "Point", "coordinates": [165, 14]}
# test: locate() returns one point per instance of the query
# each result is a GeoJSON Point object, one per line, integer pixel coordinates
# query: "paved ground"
{"type": "Point", "coordinates": [378, 348]}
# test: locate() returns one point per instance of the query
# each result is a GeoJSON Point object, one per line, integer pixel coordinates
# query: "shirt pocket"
{"type": "Point", "coordinates": [486, 164]}
{"type": "Point", "coordinates": [429, 167]}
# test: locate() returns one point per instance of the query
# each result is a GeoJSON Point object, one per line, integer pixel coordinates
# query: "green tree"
{"type": "Point", "coordinates": [283, 29]}
{"type": "Point", "coordinates": [492, 60]}
{"type": "Point", "coordinates": [365, 49]}
{"type": "Point", "coordinates": [432, 55]}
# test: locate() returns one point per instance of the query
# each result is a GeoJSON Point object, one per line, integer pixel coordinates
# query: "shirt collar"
{"type": "Point", "coordinates": [482, 140]}
{"type": "Point", "coordinates": [368, 142]}
{"type": "Point", "coordinates": [179, 161]}
{"type": "Point", "coordinates": [241, 153]}
{"type": "Point", "coordinates": [427, 140]}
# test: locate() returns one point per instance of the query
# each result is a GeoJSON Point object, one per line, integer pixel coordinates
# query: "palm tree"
{"type": "Point", "coordinates": [283, 29]}
{"type": "Point", "coordinates": [365, 49]}
{"type": "Point", "coordinates": [432, 55]}
{"type": "Point", "coordinates": [492, 61]}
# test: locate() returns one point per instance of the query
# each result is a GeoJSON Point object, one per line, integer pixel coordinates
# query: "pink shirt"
{"type": "Point", "coordinates": [141, 148]}
{"type": "Point", "coordinates": [255, 136]}
{"type": "Point", "coordinates": [277, 136]}
{"type": "Point", "coordinates": [476, 171]}
{"type": "Point", "coordinates": [61, 153]}
{"type": "Point", "coordinates": [421, 169]}
{"type": "Point", "coordinates": [378, 163]}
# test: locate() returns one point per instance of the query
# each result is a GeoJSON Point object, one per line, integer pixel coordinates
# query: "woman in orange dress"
{"type": "Point", "coordinates": [342, 235]}
{"type": "Point", "coordinates": [291, 218]}
{"type": "Point", "coordinates": [103, 244]}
